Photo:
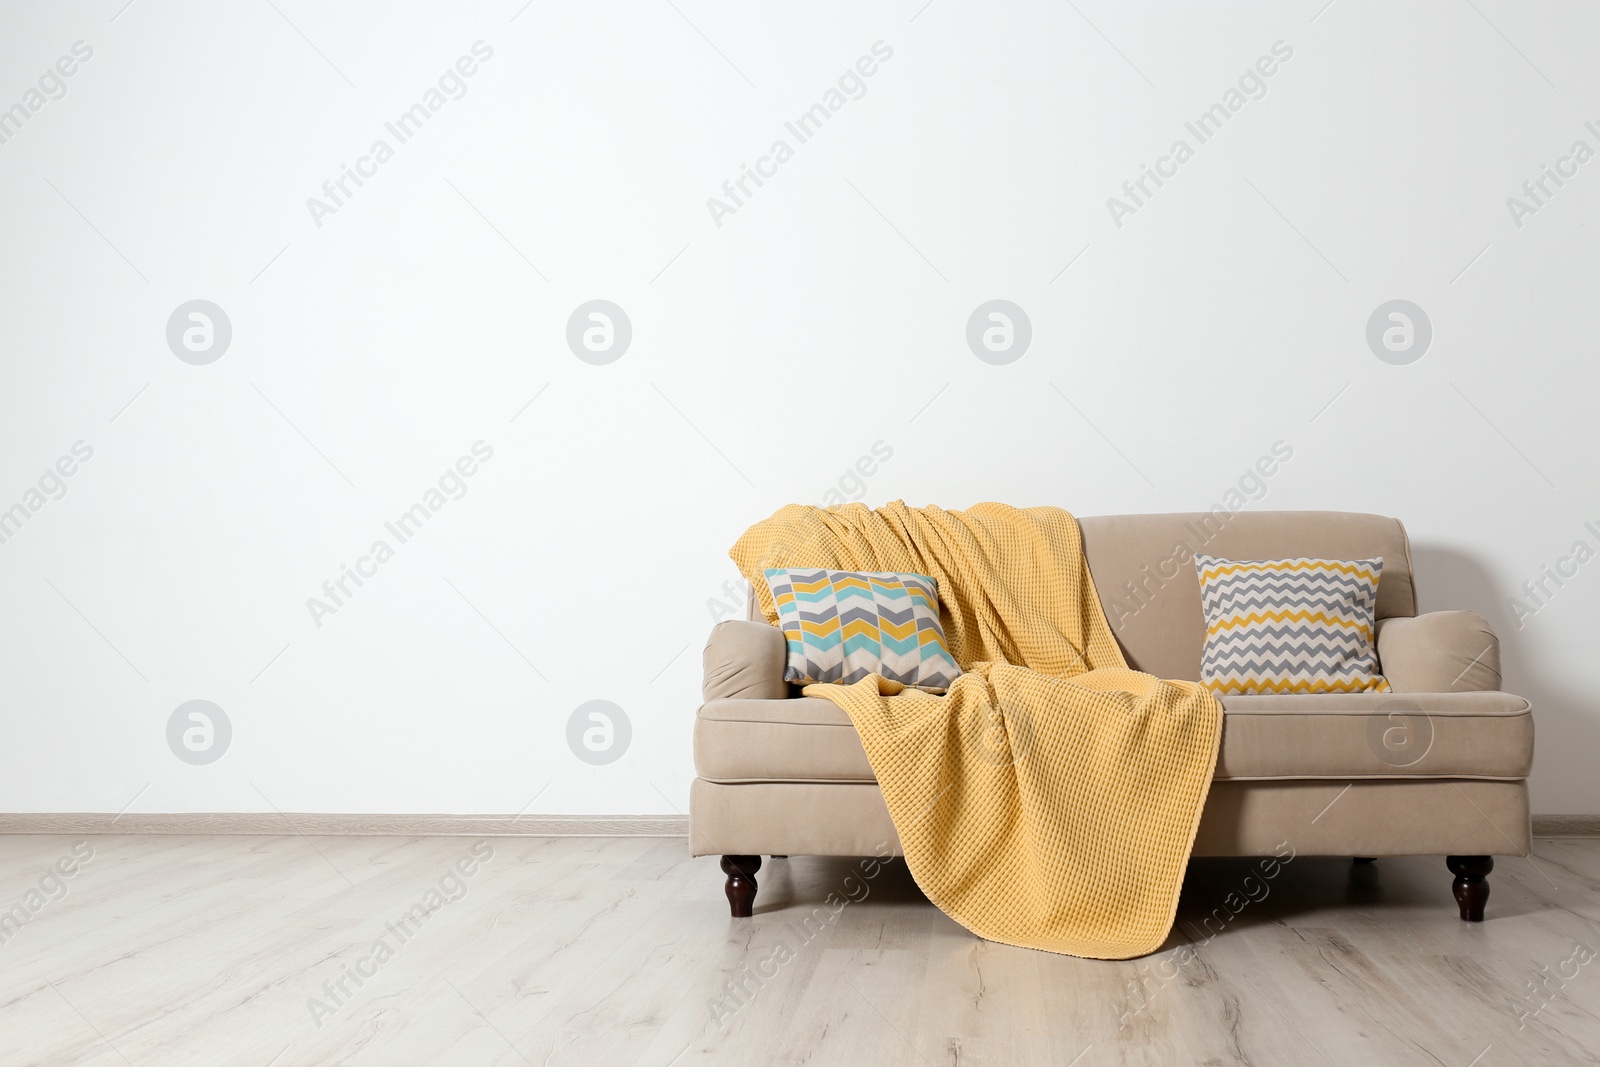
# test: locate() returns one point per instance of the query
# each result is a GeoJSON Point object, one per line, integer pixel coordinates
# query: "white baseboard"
{"type": "Point", "coordinates": [70, 824]}
{"type": "Point", "coordinates": [1566, 826]}
{"type": "Point", "coordinates": [314, 824]}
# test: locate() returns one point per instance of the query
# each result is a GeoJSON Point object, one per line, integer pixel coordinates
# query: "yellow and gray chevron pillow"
{"type": "Point", "coordinates": [1290, 625]}
{"type": "Point", "coordinates": [842, 626]}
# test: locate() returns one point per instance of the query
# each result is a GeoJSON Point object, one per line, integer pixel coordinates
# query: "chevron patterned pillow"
{"type": "Point", "coordinates": [842, 627]}
{"type": "Point", "coordinates": [1290, 625]}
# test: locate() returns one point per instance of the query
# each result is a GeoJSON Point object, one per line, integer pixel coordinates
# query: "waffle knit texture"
{"type": "Point", "coordinates": [1050, 799]}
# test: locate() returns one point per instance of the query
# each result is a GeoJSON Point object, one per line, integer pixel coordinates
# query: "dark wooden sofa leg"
{"type": "Point", "coordinates": [741, 887]}
{"type": "Point", "coordinates": [1471, 884]}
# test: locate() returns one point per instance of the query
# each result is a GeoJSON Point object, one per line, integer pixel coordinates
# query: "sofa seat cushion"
{"type": "Point", "coordinates": [1376, 735]}
{"type": "Point", "coordinates": [803, 739]}
{"type": "Point", "coordinates": [1323, 735]}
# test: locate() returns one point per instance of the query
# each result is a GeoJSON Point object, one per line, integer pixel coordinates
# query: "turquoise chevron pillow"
{"type": "Point", "coordinates": [842, 626]}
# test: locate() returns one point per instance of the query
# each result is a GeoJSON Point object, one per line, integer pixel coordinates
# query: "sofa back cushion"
{"type": "Point", "coordinates": [1143, 568]}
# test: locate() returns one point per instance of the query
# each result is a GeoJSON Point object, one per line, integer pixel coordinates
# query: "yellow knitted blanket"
{"type": "Point", "coordinates": [1050, 799]}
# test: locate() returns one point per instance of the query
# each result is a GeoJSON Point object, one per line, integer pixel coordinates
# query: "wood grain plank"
{"type": "Point", "coordinates": [581, 950]}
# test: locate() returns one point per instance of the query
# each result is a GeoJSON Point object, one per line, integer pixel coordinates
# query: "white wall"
{"type": "Point", "coordinates": [371, 351]}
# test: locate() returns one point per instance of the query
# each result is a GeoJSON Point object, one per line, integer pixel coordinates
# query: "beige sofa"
{"type": "Point", "coordinates": [1437, 767]}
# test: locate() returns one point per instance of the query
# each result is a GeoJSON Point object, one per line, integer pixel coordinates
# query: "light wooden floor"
{"type": "Point", "coordinates": [205, 950]}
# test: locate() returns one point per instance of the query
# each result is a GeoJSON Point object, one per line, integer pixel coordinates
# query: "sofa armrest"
{"type": "Point", "coordinates": [745, 659]}
{"type": "Point", "coordinates": [1439, 652]}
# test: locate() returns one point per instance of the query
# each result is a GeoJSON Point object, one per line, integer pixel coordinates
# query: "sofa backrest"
{"type": "Point", "coordinates": [1143, 568]}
